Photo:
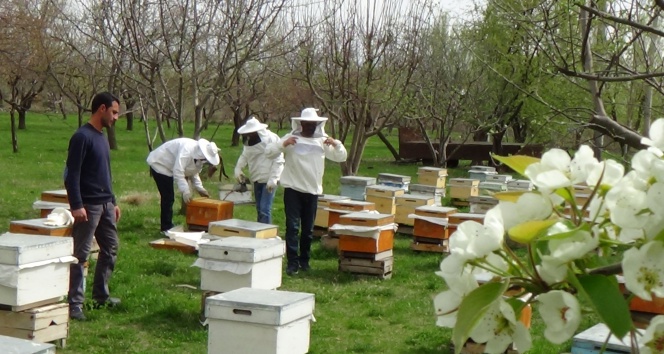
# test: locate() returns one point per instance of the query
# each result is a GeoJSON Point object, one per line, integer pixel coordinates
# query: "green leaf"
{"type": "Point", "coordinates": [608, 302]}
{"type": "Point", "coordinates": [512, 196]}
{"type": "Point", "coordinates": [561, 230]}
{"type": "Point", "coordinates": [517, 162]}
{"type": "Point", "coordinates": [526, 232]}
{"type": "Point", "coordinates": [472, 309]}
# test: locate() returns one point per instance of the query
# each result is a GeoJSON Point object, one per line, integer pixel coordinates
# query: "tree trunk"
{"type": "Point", "coordinates": [21, 119]}
{"type": "Point", "coordinates": [237, 122]}
{"type": "Point", "coordinates": [112, 141]}
{"type": "Point", "coordinates": [12, 116]}
{"type": "Point", "coordinates": [389, 146]}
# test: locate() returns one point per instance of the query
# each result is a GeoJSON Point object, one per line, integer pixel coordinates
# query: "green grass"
{"type": "Point", "coordinates": [161, 303]}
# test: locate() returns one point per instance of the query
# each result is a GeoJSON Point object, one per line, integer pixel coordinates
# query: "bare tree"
{"type": "Point", "coordinates": [359, 61]}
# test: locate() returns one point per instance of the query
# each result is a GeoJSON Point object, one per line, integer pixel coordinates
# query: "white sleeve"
{"type": "Point", "coordinates": [336, 154]}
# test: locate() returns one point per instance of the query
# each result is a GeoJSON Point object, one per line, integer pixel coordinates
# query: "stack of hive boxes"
{"type": "Point", "coordinates": [430, 232]}
{"type": "Point", "coordinates": [481, 172]}
{"type": "Point", "coordinates": [461, 189]}
{"type": "Point", "coordinates": [482, 204]}
{"type": "Point", "coordinates": [494, 184]}
{"type": "Point", "coordinates": [259, 321]}
{"type": "Point", "coordinates": [366, 241]}
{"type": "Point", "coordinates": [431, 182]}
{"type": "Point", "coordinates": [244, 254]}
{"type": "Point", "coordinates": [201, 211]}
{"type": "Point", "coordinates": [354, 187]}
{"type": "Point", "coordinates": [384, 197]}
{"type": "Point", "coordinates": [34, 282]}
{"type": "Point", "coordinates": [335, 211]}
{"type": "Point", "coordinates": [406, 205]}
{"type": "Point", "coordinates": [392, 180]}
{"type": "Point", "coordinates": [50, 200]}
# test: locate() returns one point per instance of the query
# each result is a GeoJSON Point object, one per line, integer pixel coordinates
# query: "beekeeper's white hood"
{"type": "Point", "coordinates": [309, 114]}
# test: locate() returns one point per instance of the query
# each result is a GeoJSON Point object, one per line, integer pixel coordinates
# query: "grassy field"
{"type": "Point", "coordinates": [161, 303]}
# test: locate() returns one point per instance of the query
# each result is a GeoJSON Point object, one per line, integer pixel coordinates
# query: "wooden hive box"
{"type": "Point", "coordinates": [520, 184]}
{"type": "Point", "coordinates": [243, 228]}
{"type": "Point", "coordinates": [349, 242]}
{"type": "Point", "coordinates": [429, 229]}
{"type": "Point", "coordinates": [354, 187]}
{"type": "Point", "coordinates": [464, 188]}
{"type": "Point", "coordinates": [37, 227]}
{"type": "Point", "coordinates": [322, 214]}
{"type": "Point", "coordinates": [432, 176]}
{"type": "Point", "coordinates": [46, 281]}
{"type": "Point", "coordinates": [480, 175]}
{"type": "Point", "coordinates": [42, 324]}
{"type": "Point", "coordinates": [259, 321]}
{"type": "Point", "coordinates": [455, 219]}
{"type": "Point", "coordinates": [201, 211]}
{"type": "Point", "coordinates": [393, 180]}
{"type": "Point", "coordinates": [406, 205]}
{"type": "Point", "coordinates": [57, 196]}
{"type": "Point", "coordinates": [430, 191]}
{"type": "Point", "coordinates": [46, 208]}
{"type": "Point", "coordinates": [169, 244]}
{"type": "Point", "coordinates": [237, 262]}
{"type": "Point", "coordinates": [340, 207]}
{"type": "Point", "coordinates": [482, 204]}
{"type": "Point", "coordinates": [384, 191]}
{"type": "Point", "coordinates": [384, 205]}
{"type": "Point", "coordinates": [23, 346]}
{"type": "Point", "coordinates": [483, 168]}
{"type": "Point", "coordinates": [498, 178]}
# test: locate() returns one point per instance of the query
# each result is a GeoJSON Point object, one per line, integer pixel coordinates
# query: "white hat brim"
{"type": "Point", "coordinates": [245, 129]}
{"type": "Point", "coordinates": [205, 146]}
{"type": "Point", "coordinates": [310, 119]}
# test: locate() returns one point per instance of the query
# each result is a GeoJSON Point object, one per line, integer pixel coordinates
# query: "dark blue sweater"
{"type": "Point", "coordinates": [88, 171]}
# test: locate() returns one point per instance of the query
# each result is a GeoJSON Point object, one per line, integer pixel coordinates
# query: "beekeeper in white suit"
{"type": "Point", "coordinates": [305, 150]}
{"type": "Point", "coordinates": [264, 172]}
{"type": "Point", "coordinates": [174, 161]}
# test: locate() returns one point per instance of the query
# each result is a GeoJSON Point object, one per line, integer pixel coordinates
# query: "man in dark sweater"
{"type": "Point", "coordinates": [93, 205]}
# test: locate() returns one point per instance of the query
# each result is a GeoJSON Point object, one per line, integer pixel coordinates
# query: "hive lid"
{"type": "Point", "coordinates": [18, 249]}
{"type": "Point", "coordinates": [242, 249]}
{"type": "Point", "coordinates": [357, 180]}
{"type": "Point", "coordinates": [272, 307]}
{"type": "Point", "coordinates": [244, 224]}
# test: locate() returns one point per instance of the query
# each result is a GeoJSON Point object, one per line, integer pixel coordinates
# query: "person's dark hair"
{"type": "Point", "coordinates": [103, 98]}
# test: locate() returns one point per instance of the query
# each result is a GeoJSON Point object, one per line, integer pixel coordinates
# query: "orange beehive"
{"type": "Point", "coordinates": [385, 242]}
{"type": "Point", "coordinates": [457, 218]}
{"type": "Point", "coordinates": [57, 196]}
{"type": "Point", "coordinates": [201, 211]}
{"type": "Point", "coordinates": [423, 228]}
{"type": "Point", "coordinates": [350, 243]}
{"type": "Point", "coordinates": [37, 227]}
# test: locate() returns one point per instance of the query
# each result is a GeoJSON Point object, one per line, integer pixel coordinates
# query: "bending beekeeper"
{"type": "Point", "coordinates": [175, 161]}
{"type": "Point", "coordinates": [305, 149]}
{"type": "Point", "coordinates": [264, 172]}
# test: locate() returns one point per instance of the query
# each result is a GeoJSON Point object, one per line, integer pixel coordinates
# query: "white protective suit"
{"type": "Point", "coordinates": [175, 158]}
{"type": "Point", "coordinates": [262, 169]}
{"type": "Point", "coordinates": [305, 161]}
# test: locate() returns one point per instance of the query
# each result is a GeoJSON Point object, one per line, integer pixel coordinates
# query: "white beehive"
{"type": "Point", "coordinates": [237, 262]}
{"type": "Point", "coordinates": [35, 268]}
{"type": "Point", "coordinates": [24, 346]}
{"type": "Point", "coordinates": [431, 191]}
{"type": "Point", "coordinates": [393, 180]}
{"type": "Point", "coordinates": [354, 186]}
{"type": "Point", "coordinates": [259, 321]}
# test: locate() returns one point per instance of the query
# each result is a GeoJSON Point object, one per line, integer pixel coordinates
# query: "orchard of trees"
{"type": "Point", "coordinates": [558, 72]}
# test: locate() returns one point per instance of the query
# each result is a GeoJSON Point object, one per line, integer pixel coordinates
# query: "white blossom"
{"type": "Point", "coordinates": [499, 328]}
{"type": "Point", "coordinates": [652, 341]}
{"type": "Point", "coordinates": [656, 140]}
{"type": "Point", "coordinates": [643, 271]}
{"type": "Point", "coordinates": [582, 164]}
{"type": "Point", "coordinates": [561, 313]}
{"type": "Point", "coordinates": [529, 206]}
{"type": "Point", "coordinates": [610, 172]}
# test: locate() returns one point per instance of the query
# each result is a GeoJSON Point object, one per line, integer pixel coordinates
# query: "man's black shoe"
{"type": "Point", "coordinates": [76, 313]}
{"type": "Point", "coordinates": [291, 270]}
{"type": "Point", "coordinates": [109, 303]}
{"type": "Point", "coordinates": [305, 267]}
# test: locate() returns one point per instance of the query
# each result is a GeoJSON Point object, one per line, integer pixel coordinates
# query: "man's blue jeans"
{"type": "Point", "coordinates": [300, 214]}
{"type": "Point", "coordinates": [264, 201]}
